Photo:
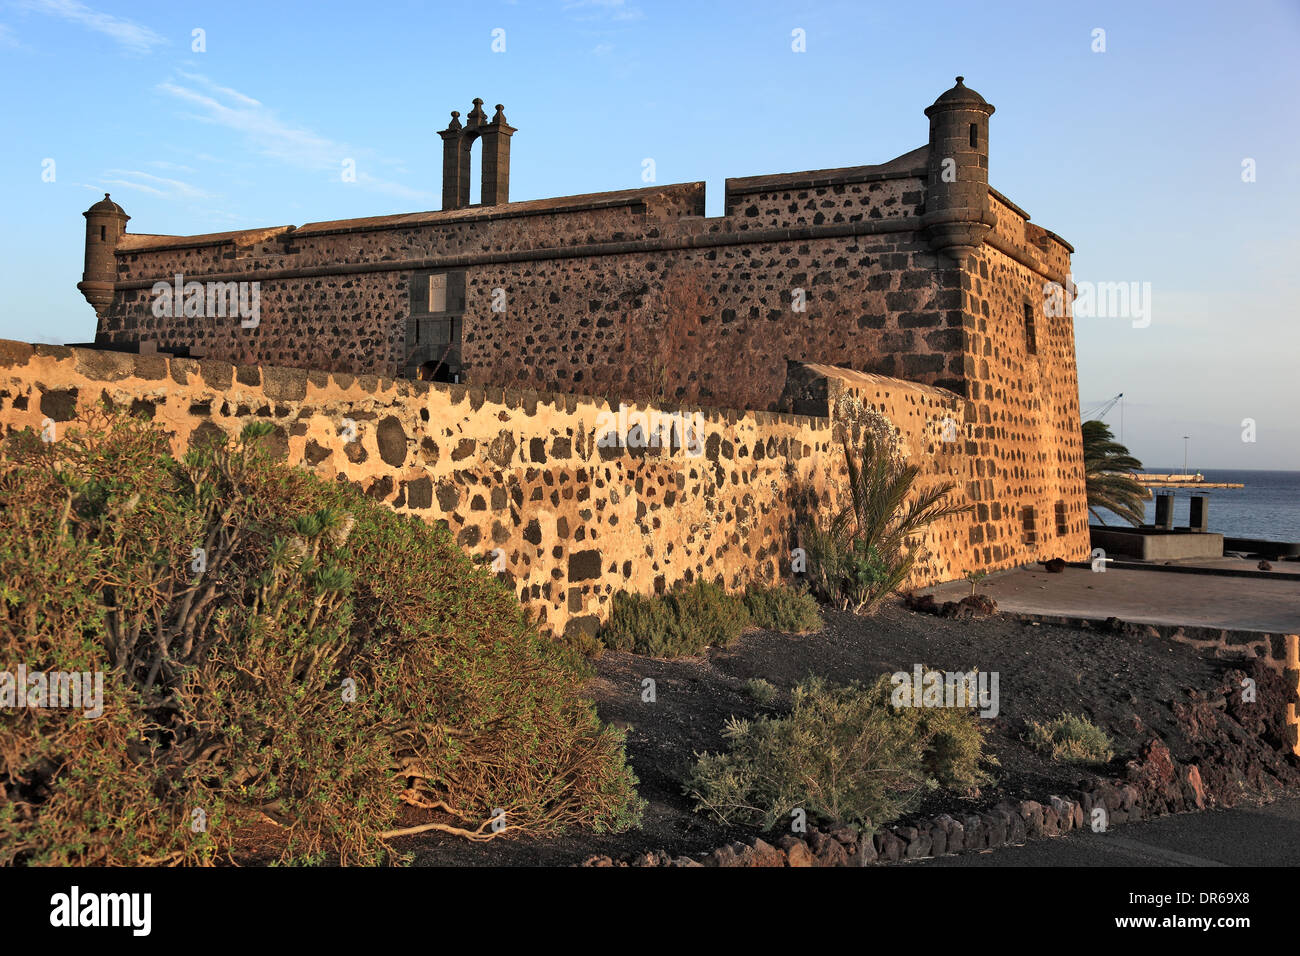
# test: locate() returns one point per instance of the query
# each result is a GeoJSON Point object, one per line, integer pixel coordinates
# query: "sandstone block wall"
{"type": "Point", "coordinates": [526, 473]}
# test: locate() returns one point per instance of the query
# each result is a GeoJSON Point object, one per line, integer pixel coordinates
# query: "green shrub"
{"type": "Point", "coordinates": [783, 608]}
{"type": "Point", "coordinates": [955, 747]}
{"type": "Point", "coordinates": [844, 571]}
{"type": "Point", "coordinates": [1072, 739]}
{"type": "Point", "coordinates": [681, 623]}
{"type": "Point", "coordinates": [843, 754]}
{"type": "Point", "coordinates": [332, 664]}
{"type": "Point", "coordinates": [760, 691]}
{"type": "Point", "coordinates": [688, 619]}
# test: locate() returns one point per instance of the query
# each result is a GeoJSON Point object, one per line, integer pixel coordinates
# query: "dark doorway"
{"type": "Point", "coordinates": [438, 372]}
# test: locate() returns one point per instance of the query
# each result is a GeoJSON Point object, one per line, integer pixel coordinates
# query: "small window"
{"type": "Point", "coordinates": [1029, 531]}
{"type": "Point", "coordinates": [1031, 336]}
{"type": "Point", "coordinates": [103, 233]}
{"type": "Point", "coordinates": [438, 293]}
{"type": "Point", "coordinates": [974, 136]}
{"type": "Point", "coordinates": [1062, 522]}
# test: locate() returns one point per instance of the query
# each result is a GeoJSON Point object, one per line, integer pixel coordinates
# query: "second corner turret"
{"type": "Point", "coordinates": [957, 214]}
{"type": "Point", "coordinates": [105, 224]}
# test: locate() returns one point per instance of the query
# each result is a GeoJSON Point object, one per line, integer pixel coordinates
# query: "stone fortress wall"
{"type": "Point", "coordinates": [526, 472]}
{"type": "Point", "coordinates": [589, 291]}
{"type": "Point", "coordinates": [893, 284]}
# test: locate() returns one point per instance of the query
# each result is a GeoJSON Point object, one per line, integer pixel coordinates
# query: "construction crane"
{"type": "Point", "coordinates": [1099, 411]}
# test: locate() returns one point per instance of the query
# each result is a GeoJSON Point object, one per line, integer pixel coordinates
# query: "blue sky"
{"type": "Point", "coordinates": [1134, 154]}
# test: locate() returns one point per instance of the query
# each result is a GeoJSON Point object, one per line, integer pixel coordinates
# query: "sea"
{"type": "Point", "coordinates": [1267, 508]}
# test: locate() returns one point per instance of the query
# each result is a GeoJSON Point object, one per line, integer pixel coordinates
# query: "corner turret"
{"type": "Point", "coordinates": [957, 214]}
{"type": "Point", "coordinates": [105, 224]}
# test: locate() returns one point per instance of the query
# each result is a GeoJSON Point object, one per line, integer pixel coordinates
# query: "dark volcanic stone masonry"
{"type": "Point", "coordinates": [914, 272]}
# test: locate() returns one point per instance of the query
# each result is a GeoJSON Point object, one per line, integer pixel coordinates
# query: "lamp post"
{"type": "Point", "coordinates": [1185, 438]}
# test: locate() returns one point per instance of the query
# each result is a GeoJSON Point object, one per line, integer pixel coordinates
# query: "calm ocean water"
{"type": "Point", "coordinates": [1267, 508]}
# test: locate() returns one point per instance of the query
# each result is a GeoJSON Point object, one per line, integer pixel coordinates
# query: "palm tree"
{"type": "Point", "coordinates": [867, 551]}
{"type": "Point", "coordinates": [1107, 467]}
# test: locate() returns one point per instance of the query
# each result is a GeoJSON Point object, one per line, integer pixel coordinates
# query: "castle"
{"type": "Point", "coordinates": [913, 284]}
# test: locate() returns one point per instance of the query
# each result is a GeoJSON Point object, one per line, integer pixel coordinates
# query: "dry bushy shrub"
{"type": "Point", "coordinates": [688, 619]}
{"type": "Point", "coordinates": [332, 664]}
{"type": "Point", "coordinates": [681, 623]}
{"type": "Point", "coordinates": [781, 608]}
{"type": "Point", "coordinates": [1071, 738]}
{"type": "Point", "coordinates": [760, 691]}
{"type": "Point", "coordinates": [843, 754]}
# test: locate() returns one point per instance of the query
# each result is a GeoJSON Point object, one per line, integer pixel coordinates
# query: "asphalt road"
{"type": "Point", "coordinates": [1254, 836]}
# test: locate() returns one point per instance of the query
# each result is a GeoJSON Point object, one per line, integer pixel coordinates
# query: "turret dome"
{"type": "Point", "coordinates": [960, 96]}
{"type": "Point", "coordinates": [106, 205]}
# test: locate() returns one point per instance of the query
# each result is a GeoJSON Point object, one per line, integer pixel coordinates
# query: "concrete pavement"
{"type": "Point", "coordinates": [1270, 604]}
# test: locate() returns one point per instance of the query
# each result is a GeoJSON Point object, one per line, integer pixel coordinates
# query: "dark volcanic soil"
{"type": "Point", "coordinates": [1127, 685]}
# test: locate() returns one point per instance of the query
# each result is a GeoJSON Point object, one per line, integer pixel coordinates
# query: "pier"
{"type": "Point", "coordinates": [1181, 481]}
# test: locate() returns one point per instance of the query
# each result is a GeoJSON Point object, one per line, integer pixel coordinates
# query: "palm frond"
{"type": "Point", "coordinates": [1107, 467]}
{"type": "Point", "coordinates": [865, 551]}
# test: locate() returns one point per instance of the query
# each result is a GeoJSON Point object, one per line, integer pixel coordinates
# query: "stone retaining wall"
{"type": "Point", "coordinates": [537, 482]}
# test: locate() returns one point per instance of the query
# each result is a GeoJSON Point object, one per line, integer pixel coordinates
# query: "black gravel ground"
{"type": "Point", "coordinates": [1125, 684]}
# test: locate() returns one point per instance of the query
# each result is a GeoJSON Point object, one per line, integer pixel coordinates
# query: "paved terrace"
{"type": "Point", "coordinates": [1264, 603]}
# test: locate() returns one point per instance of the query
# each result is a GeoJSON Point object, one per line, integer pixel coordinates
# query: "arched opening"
{"type": "Point", "coordinates": [474, 163]}
{"type": "Point", "coordinates": [974, 136]}
{"type": "Point", "coordinates": [437, 371]}
{"type": "Point", "coordinates": [103, 233]}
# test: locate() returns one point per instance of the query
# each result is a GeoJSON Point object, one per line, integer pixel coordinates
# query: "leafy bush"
{"type": "Point", "coordinates": [760, 691]}
{"type": "Point", "coordinates": [843, 754]}
{"type": "Point", "coordinates": [865, 551]}
{"type": "Point", "coordinates": [688, 619]}
{"type": "Point", "coordinates": [955, 747]}
{"type": "Point", "coordinates": [680, 623]}
{"type": "Point", "coordinates": [783, 608]}
{"type": "Point", "coordinates": [327, 664]}
{"type": "Point", "coordinates": [1071, 738]}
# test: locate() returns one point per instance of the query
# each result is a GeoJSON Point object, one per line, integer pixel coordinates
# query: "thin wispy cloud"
{"type": "Point", "coordinates": [279, 139]}
{"type": "Point", "coordinates": [157, 185]}
{"type": "Point", "coordinates": [7, 37]}
{"type": "Point", "coordinates": [225, 91]}
{"type": "Point", "coordinates": [138, 187]}
{"type": "Point", "coordinates": [128, 34]}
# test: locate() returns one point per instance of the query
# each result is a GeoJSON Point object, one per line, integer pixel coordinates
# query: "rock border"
{"type": "Point", "coordinates": [1157, 785]}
